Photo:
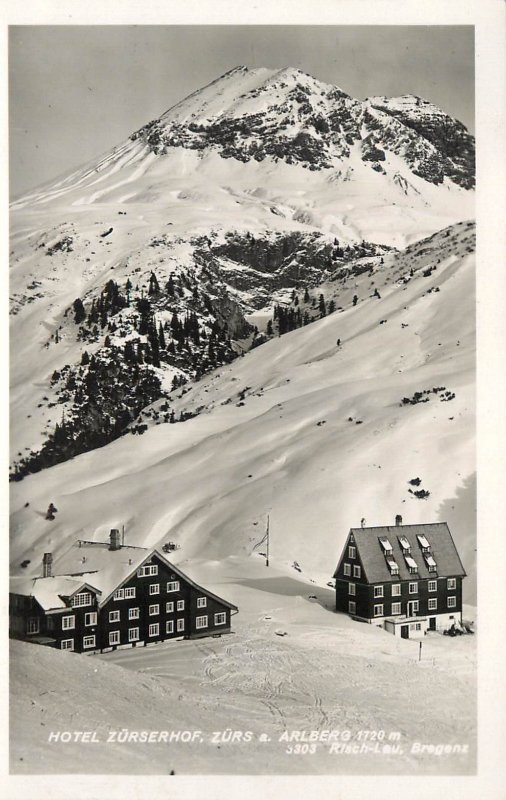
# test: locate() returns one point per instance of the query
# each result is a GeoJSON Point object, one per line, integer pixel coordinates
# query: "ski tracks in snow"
{"type": "Point", "coordinates": [269, 673]}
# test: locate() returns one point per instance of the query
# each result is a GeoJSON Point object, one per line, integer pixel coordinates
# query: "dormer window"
{"type": "Point", "coordinates": [81, 599]}
{"type": "Point", "coordinates": [411, 564]}
{"type": "Point", "coordinates": [431, 564]}
{"type": "Point", "coordinates": [424, 544]}
{"type": "Point", "coordinates": [386, 546]}
{"type": "Point", "coordinates": [405, 545]}
{"type": "Point", "coordinates": [393, 566]}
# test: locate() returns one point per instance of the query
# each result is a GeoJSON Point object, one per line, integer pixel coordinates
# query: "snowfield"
{"type": "Point", "coordinates": [341, 682]}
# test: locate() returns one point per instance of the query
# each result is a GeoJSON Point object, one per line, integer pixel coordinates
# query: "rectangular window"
{"type": "Point", "coordinates": [169, 626]}
{"type": "Point", "coordinates": [81, 599]}
{"type": "Point", "coordinates": [154, 588]}
{"type": "Point", "coordinates": [129, 592]}
{"type": "Point", "coordinates": [415, 605]}
{"type": "Point", "coordinates": [220, 618]}
{"type": "Point", "coordinates": [201, 602]}
{"type": "Point", "coordinates": [432, 586]}
{"type": "Point", "coordinates": [173, 586]}
{"type": "Point", "coordinates": [67, 644]}
{"type": "Point", "coordinates": [347, 569]}
{"type": "Point", "coordinates": [413, 588]}
{"type": "Point", "coordinates": [68, 623]}
{"type": "Point", "coordinates": [351, 588]}
{"type": "Point", "coordinates": [114, 637]}
{"type": "Point", "coordinates": [154, 610]}
{"type": "Point", "coordinates": [352, 607]}
{"type": "Point", "coordinates": [32, 626]}
{"type": "Point", "coordinates": [147, 570]}
{"type": "Point", "coordinates": [154, 629]}
{"type": "Point", "coordinates": [378, 591]}
{"type": "Point", "coordinates": [452, 602]}
{"type": "Point", "coordinates": [432, 603]}
{"type": "Point", "coordinates": [451, 583]}
{"type": "Point", "coordinates": [90, 618]}
{"type": "Point", "coordinates": [352, 552]}
{"type": "Point", "coordinates": [169, 607]}
{"type": "Point", "coordinates": [180, 605]}
{"type": "Point", "coordinates": [133, 613]}
{"type": "Point", "coordinates": [133, 634]}
{"type": "Point", "coordinates": [378, 610]}
{"type": "Point", "coordinates": [88, 641]}
{"type": "Point", "coordinates": [180, 624]}
{"type": "Point", "coordinates": [356, 571]}
{"type": "Point", "coordinates": [201, 622]}
{"type": "Point", "coordinates": [114, 616]}
{"type": "Point", "coordinates": [396, 608]}
{"type": "Point", "coordinates": [396, 589]}
{"type": "Point", "coordinates": [119, 594]}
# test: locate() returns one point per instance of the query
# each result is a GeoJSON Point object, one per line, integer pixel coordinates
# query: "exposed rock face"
{"type": "Point", "coordinates": [449, 136]}
{"type": "Point", "coordinates": [316, 125]}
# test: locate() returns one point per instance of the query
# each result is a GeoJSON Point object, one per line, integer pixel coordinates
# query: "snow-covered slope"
{"type": "Point", "coordinates": [314, 434]}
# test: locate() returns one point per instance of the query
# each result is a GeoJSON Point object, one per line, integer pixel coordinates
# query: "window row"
{"type": "Point", "coordinates": [414, 606]}
{"type": "Point", "coordinates": [89, 642]}
{"type": "Point", "coordinates": [69, 622]}
{"type": "Point", "coordinates": [451, 583]}
{"type": "Point", "coordinates": [128, 592]}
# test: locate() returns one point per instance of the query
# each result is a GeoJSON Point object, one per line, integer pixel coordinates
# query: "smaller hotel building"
{"type": "Point", "coordinates": [406, 578]}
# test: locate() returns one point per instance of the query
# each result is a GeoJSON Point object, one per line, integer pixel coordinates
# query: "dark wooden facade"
{"type": "Point", "coordinates": [366, 589]}
{"type": "Point", "coordinates": [154, 603]}
{"type": "Point", "coordinates": [157, 602]}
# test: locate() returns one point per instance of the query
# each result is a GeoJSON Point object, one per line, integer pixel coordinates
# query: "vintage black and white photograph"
{"type": "Point", "coordinates": [243, 518]}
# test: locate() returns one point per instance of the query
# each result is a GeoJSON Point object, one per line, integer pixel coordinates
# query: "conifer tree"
{"type": "Point", "coordinates": [79, 312]}
{"type": "Point", "coordinates": [154, 286]}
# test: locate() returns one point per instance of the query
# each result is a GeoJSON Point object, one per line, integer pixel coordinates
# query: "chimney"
{"type": "Point", "coordinates": [398, 520]}
{"type": "Point", "coordinates": [47, 565]}
{"type": "Point", "coordinates": [362, 522]}
{"type": "Point", "coordinates": [115, 539]}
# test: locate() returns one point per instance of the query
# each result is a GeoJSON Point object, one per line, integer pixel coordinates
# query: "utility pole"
{"type": "Point", "coordinates": [267, 550]}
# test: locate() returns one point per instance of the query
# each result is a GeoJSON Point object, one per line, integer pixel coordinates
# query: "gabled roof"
{"type": "Point", "coordinates": [371, 553]}
{"type": "Point", "coordinates": [49, 592]}
{"type": "Point", "coordinates": [109, 569]}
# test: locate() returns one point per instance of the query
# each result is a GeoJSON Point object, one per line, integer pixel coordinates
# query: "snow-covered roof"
{"type": "Point", "coordinates": [108, 569]}
{"type": "Point", "coordinates": [49, 592]}
{"type": "Point", "coordinates": [97, 563]}
{"type": "Point", "coordinates": [372, 556]}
